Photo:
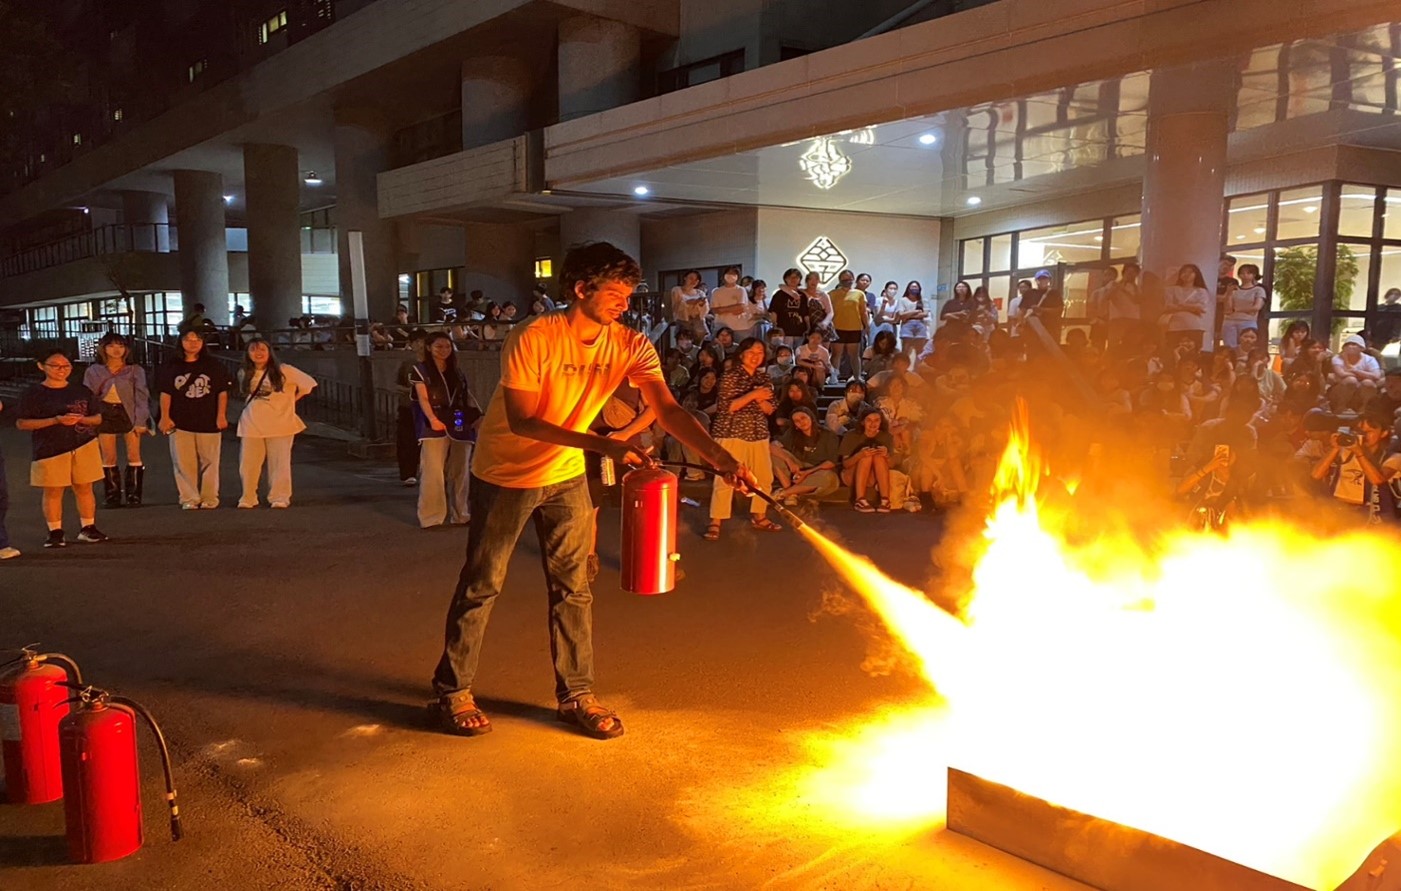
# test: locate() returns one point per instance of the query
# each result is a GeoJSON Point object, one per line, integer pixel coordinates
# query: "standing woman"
{"type": "Point", "coordinates": [819, 305]}
{"type": "Point", "coordinates": [984, 312]}
{"type": "Point", "coordinates": [194, 395]}
{"type": "Point", "coordinates": [913, 319]}
{"type": "Point", "coordinates": [1185, 306]}
{"type": "Point", "coordinates": [789, 308]}
{"type": "Point", "coordinates": [690, 306]}
{"type": "Point", "coordinates": [730, 304]}
{"type": "Point", "coordinates": [886, 308]}
{"type": "Point", "coordinates": [447, 416]}
{"type": "Point", "coordinates": [126, 414]}
{"type": "Point", "coordinates": [741, 426]}
{"type": "Point", "coordinates": [269, 422]}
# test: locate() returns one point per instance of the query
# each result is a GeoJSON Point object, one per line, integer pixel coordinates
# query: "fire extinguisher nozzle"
{"type": "Point", "coordinates": [177, 831]}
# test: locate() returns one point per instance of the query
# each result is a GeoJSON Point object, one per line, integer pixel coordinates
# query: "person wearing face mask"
{"type": "Point", "coordinates": [782, 368]}
{"type": "Point", "coordinates": [844, 415]}
{"type": "Point", "coordinates": [731, 306]}
{"type": "Point", "coordinates": [886, 306]}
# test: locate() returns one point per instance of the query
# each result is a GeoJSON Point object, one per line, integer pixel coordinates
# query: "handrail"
{"type": "Point", "coordinates": [115, 238]}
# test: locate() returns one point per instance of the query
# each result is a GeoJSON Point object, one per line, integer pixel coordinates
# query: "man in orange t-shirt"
{"type": "Point", "coordinates": [557, 371]}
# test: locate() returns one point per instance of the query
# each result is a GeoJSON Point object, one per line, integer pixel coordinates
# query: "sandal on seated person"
{"type": "Point", "coordinates": [765, 524]}
{"type": "Point", "coordinates": [591, 716]}
{"type": "Point", "coordinates": [712, 532]}
{"type": "Point", "coordinates": [460, 716]}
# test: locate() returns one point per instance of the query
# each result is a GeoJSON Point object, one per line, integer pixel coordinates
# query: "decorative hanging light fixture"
{"type": "Point", "coordinates": [823, 163]}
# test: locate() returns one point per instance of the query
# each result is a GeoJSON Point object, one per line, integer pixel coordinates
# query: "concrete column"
{"type": "Point", "coordinates": [496, 95]}
{"type": "Point", "coordinates": [1185, 181]}
{"type": "Point", "coordinates": [148, 216]}
{"type": "Point", "coordinates": [600, 64]}
{"type": "Point", "coordinates": [362, 151]}
{"type": "Point", "coordinates": [273, 182]}
{"type": "Point", "coordinates": [204, 247]}
{"type": "Point", "coordinates": [500, 262]}
{"type": "Point", "coordinates": [585, 224]}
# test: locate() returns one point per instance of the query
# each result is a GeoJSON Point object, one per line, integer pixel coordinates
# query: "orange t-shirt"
{"type": "Point", "coordinates": [574, 380]}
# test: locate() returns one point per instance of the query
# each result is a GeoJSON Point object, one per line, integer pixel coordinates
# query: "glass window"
{"type": "Point", "coordinates": [1350, 281]}
{"type": "Point", "coordinates": [1071, 243]}
{"type": "Point", "coordinates": [972, 257]}
{"type": "Point", "coordinates": [1356, 211]}
{"type": "Point", "coordinates": [321, 306]}
{"type": "Point", "coordinates": [1001, 260]}
{"type": "Point", "coordinates": [1343, 325]}
{"type": "Point", "coordinates": [1299, 210]}
{"type": "Point", "coordinates": [1391, 272]}
{"type": "Point", "coordinates": [1391, 216]}
{"type": "Point", "coordinates": [1125, 236]}
{"type": "Point", "coordinates": [1294, 273]}
{"type": "Point", "coordinates": [1246, 219]}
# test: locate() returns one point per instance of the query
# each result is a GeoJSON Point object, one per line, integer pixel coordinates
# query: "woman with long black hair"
{"type": "Point", "coordinates": [126, 415]}
{"type": "Point", "coordinates": [447, 417]}
{"type": "Point", "coordinates": [269, 422]}
{"type": "Point", "coordinates": [913, 320]}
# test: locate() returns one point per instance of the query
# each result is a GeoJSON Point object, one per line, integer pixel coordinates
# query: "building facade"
{"type": "Point", "coordinates": [472, 143]}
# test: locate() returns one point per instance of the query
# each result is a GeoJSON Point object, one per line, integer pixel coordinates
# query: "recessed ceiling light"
{"type": "Point", "coordinates": [641, 190]}
{"type": "Point", "coordinates": [1099, 238]}
{"type": "Point", "coordinates": [1312, 208]}
{"type": "Point", "coordinates": [312, 178]}
{"type": "Point", "coordinates": [1259, 230]}
{"type": "Point", "coordinates": [87, 210]}
{"type": "Point", "coordinates": [928, 139]}
{"type": "Point", "coordinates": [973, 201]}
{"type": "Point", "coordinates": [228, 199]}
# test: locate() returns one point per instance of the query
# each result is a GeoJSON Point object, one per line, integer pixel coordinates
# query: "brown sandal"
{"type": "Point", "coordinates": [765, 524]}
{"type": "Point", "coordinates": [712, 532]}
{"type": "Point", "coordinates": [587, 714]}
{"type": "Point", "coordinates": [453, 716]}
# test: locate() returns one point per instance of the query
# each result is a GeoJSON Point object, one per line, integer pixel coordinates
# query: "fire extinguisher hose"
{"type": "Point", "coordinates": [74, 674]}
{"type": "Point", "coordinates": [176, 832]}
{"type": "Point", "coordinates": [793, 519]}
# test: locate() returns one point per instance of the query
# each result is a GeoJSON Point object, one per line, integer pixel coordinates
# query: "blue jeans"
{"type": "Point", "coordinates": [563, 517]}
{"type": "Point", "coordinates": [4, 504]}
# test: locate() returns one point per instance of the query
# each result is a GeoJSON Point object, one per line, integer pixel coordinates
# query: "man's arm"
{"type": "Point", "coordinates": [683, 425]}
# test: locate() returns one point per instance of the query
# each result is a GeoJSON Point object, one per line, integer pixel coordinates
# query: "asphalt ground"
{"type": "Point", "coordinates": [288, 653]}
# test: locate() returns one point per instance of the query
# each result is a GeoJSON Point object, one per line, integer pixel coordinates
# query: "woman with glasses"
{"type": "Point", "coordinates": [125, 400]}
{"type": "Point", "coordinates": [63, 417]}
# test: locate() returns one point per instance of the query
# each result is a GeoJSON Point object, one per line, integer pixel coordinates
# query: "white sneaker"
{"type": "Point", "coordinates": [411, 481]}
{"type": "Point", "coordinates": [8, 553]}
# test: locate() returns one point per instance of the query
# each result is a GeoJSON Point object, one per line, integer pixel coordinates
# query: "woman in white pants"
{"type": "Point", "coordinates": [269, 422]}
{"type": "Point", "coordinates": [741, 426]}
{"type": "Point", "coordinates": [446, 416]}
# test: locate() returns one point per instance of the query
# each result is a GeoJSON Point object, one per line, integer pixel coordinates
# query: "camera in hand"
{"type": "Point", "coordinates": [1318, 420]}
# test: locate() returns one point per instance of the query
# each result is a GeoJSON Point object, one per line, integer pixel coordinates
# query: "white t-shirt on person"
{"type": "Point", "coordinates": [273, 412]}
{"type": "Point", "coordinates": [573, 379]}
{"type": "Point", "coordinates": [725, 296]}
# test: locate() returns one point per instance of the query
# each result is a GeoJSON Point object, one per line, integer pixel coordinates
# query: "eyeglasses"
{"type": "Point", "coordinates": [61, 366]}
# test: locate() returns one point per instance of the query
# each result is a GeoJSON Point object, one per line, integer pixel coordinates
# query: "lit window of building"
{"type": "Point", "coordinates": [117, 114]}
{"type": "Point", "coordinates": [197, 69]}
{"type": "Point", "coordinates": [77, 139]}
{"type": "Point", "coordinates": [271, 27]}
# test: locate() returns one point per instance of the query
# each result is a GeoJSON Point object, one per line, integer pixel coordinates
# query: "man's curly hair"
{"type": "Point", "coordinates": [595, 264]}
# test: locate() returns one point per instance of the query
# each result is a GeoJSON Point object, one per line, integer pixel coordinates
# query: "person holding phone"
{"type": "Point", "coordinates": [866, 458]}
{"type": "Point", "coordinates": [741, 427]}
{"type": "Point", "coordinates": [63, 417]}
{"type": "Point", "coordinates": [446, 417]}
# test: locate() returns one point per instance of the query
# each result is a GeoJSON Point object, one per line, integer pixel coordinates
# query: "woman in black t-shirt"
{"type": "Point", "coordinates": [194, 396]}
{"type": "Point", "coordinates": [789, 308]}
{"type": "Point", "coordinates": [446, 419]}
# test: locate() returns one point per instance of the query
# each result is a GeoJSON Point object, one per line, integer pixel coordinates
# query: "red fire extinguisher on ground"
{"type": "Point", "coordinates": [102, 776]}
{"type": "Point", "coordinates": [32, 702]}
{"type": "Point", "coordinates": [649, 531]}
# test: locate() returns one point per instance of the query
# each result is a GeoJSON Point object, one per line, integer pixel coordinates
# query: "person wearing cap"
{"type": "Point", "coordinates": [805, 459]}
{"type": "Point", "coordinates": [1356, 376]}
{"type": "Point", "coordinates": [1045, 303]}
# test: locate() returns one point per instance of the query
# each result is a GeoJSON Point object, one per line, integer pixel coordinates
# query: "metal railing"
{"type": "Point", "coordinates": [114, 239]}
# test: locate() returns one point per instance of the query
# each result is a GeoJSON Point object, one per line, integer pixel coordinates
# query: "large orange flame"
{"type": "Point", "coordinates": [1238, 694]}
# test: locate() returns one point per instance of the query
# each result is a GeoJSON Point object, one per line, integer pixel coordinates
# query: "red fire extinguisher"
{"type": "Point", "coordinates": [101, 772]}
{"type": "Point", "coordinates": [32, 702]}
{"type": "Point", "coordinates": [649, 531]}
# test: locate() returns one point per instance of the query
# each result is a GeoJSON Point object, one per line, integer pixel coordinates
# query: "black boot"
{"type": "Point", "coordinates": [135, 481]}
{"type": "Point", "coordinates": [112, 486]}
